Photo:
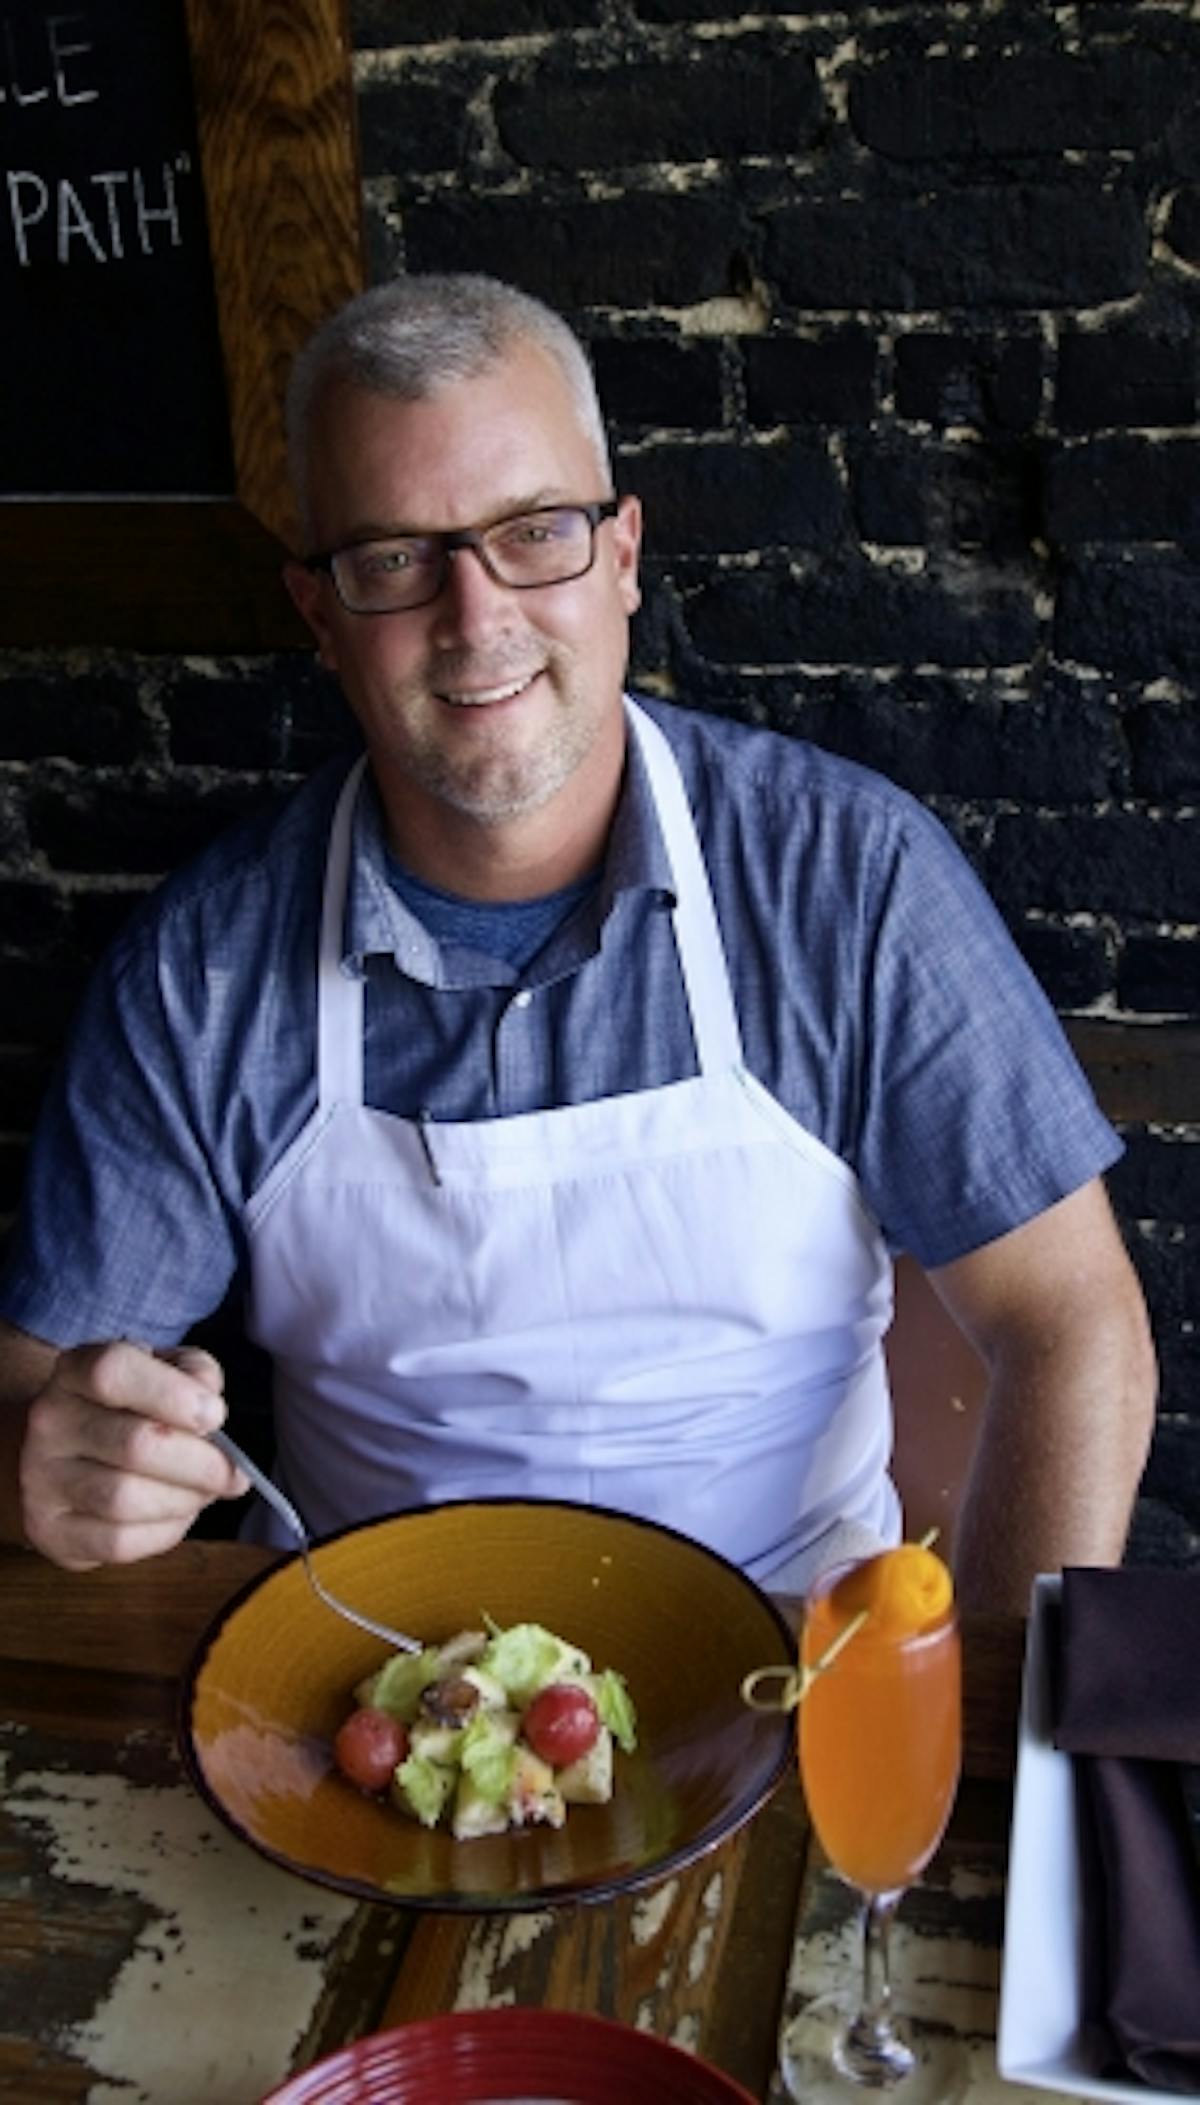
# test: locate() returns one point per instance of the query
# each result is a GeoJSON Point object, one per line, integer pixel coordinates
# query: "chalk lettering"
{"type": "Point", "coordinates": [107, 181]}
{"type": "Point", "coordinates": [25, 214]}
{"type": "Point", "coordinates": [22, 68]}
{"type": "Point", "coordinates": [104, 216]}
{"type": "Point", "coordinates": [60, 51]}
{"type": "Point", "coordinates": [147, 214]}
{"type": "Point", "coordinates": [73, 223]}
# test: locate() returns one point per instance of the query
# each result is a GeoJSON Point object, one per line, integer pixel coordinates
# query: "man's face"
{"type": "Point", "coordinates": [487, 701]}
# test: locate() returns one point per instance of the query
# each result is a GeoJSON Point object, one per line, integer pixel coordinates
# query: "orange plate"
{"type": "Point", "coordinates": [511, 2055]}
{"type": "Point", "coordinates": [273, 1678]}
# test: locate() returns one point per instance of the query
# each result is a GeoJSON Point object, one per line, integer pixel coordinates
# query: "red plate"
{"type": "Point", "coordinates": [509, 2057]}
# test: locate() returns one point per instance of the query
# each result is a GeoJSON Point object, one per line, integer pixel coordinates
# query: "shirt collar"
{"type": "Point", "coordinates": [377, 921]}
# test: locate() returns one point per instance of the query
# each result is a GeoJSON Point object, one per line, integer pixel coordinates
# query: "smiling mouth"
{"type": "Point", "coordinates": [484, 697]}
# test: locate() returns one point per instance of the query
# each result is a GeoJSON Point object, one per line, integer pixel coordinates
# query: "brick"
{"type": "Point", "coordinates": [99, 914]}
{"type": "Point", "coordinates": [1073, 965]}
{"type": "Point", "coordinates": [645, 250]}
{"type": "Point", "coordinates": [1134, 864]}
{"type": "Point", "coordinates": [12, 1172]}
{"type": "Point", "coordinates": [889, 496]}
{"type": "Point", "coordinates": [283, 712]}
{"type": "Point", "coordinates": [828, 379]}
{"type": "Point", "coordinates": [649, 382]}
{"type": "Point", "coordinates": [317, 722]}
{"type": "Point", "coordinates": [14, 832]}
{"type": "Point", "coordinates": [1032, 102]}
{"type": "Point", "coordinates": [143, 828]}
{"type": "Point", "coordinates": [1172, 1475]}
{"type": "Point", "coordinates": [1182, 230]}
{"type": "Point", "coordinates": [1142, 1075]}
{"type": "Point", "coordinates": [1124, 489]}
{"type": "Point", "coordinates": [1164, 741]}
{"type": "Point", "coordinates": [92, 719]}
{"type": "Point", "coordinates": [762, 97]}
{"type": "Point", "coordinates": [1128, 617]}
{"type": "Point", "coordinates": [985, 247]}
{"type": "Point", "coordinates": [993, 383]}
{"type": "Point", "coordinates": [972, 496]}
{"type": "Point", "coordinates": [938, 740]}
{"type": "Point", "coordinates": [1125, 377]}
{"type": "Point", "coordinates": [705, 499]}
{"type": "Point", "coordinates": [378, 24]}
{"type": "Point", "coordinates": [1179, 1368]}
{"type": "Point", "coordinates": [229, 722]}
{"type": "Point", "coordinates": [407, 127]}
{"type": "Point", "coordinates": [719, 10]}
{"type": "Point", "coordinates": [1160, 976]}
{"type": "Point", "coordinates": [1167, 1259]}
{"type": "Point", "coordinates": [860, 614]}
{"type": "Point", "coordinates": [25, 1071]}
{"type": "Point", "coordinates": [43, 992]}
{"type": "Point", "coordinates": [382, 241]}
{"type": "Point", "coordinates": [1158, 1178]}
{"type": "Point", "coordinates": [31, 912]}
{"type": "Point", "coordinates": [1158, 1534]}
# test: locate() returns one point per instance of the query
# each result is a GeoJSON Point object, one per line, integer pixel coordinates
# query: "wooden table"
{"type": "Point", "coordinates": [148, 1958]}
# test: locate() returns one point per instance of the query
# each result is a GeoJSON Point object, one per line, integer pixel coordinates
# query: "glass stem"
{"type": "Point", "coordinates": [876, 2012]}
{"type": "Point", "coordinates": [871, 2051]}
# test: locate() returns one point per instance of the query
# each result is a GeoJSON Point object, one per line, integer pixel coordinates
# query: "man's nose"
{"type": "Point", "coordinates": [471, 600]}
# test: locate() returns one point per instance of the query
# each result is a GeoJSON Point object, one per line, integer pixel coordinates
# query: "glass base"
{"type": "Point", "coordinates": [824, 2057]}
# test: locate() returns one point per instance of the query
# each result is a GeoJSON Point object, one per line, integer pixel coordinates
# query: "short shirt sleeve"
{"type": "Point", "coordinates": [975, 1113]}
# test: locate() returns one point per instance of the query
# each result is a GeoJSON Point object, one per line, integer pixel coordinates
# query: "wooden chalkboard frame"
{"type": "Point", "coordinates": [276, 123]}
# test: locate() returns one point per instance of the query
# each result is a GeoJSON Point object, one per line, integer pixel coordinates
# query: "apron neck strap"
{"type": "Point", "coordinates": [340, 1005]}
{"type": "Point", "coordinates": [697, 930]}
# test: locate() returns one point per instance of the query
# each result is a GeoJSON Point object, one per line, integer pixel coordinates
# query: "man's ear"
{"type": "Point", "coordinates": [627, 543]}
{"type": "Point", "coordinates": [308, 595]}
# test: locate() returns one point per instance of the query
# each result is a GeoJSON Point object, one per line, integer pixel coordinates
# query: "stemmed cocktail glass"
{"type": "Point", "coordinates": [879, 1737]}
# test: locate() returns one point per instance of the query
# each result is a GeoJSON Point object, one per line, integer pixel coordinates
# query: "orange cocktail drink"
{"type": "Point", "coordinates": [879, 1730]}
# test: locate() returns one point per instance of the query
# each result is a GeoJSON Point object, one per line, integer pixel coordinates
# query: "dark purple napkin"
{"type": "Point", "coordinates": [1129, 1713]}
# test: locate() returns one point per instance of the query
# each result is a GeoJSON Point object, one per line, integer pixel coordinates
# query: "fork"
{"type": "Point", "coordinates": [291, 1519]}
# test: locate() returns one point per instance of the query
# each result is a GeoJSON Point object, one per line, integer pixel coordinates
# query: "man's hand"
{"type": "Point", "coordinates": [114, 1465]}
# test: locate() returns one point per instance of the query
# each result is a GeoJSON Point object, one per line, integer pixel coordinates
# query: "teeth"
{"type": "Point", "coordinates": [481, 695]}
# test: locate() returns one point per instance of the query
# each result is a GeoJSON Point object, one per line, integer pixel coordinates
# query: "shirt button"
{"type": "Point", "coordinates": [523, 999]}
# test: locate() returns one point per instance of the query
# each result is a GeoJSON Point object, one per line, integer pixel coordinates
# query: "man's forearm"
{"type": "Point", "coordinates": [1062, 1447]}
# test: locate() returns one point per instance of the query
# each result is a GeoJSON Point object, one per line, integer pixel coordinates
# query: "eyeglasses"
{"type": "Point", "coordinates": [548, 546]}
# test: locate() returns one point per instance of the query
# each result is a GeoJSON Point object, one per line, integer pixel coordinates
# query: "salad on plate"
{"type": "Point", "coordinates": [495, 1729]}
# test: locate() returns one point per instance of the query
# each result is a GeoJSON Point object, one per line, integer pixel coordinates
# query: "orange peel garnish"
{"type": "Point", "coordinates": [901, 1592]}
{"type": "Point", "coordinates": [904, 1591]}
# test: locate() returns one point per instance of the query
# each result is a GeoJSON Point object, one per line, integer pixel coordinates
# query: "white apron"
{"type": "Point", "coordinates": [670, 1302]}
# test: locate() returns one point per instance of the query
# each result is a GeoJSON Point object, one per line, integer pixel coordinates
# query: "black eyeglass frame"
{"type": "Point", "coordinates": [473, 537]}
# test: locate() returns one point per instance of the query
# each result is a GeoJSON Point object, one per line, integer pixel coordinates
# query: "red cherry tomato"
{"type": "Point", "coordinates": [561, 1723]}
{"type": "Point", "coordinates": [368, 1748]}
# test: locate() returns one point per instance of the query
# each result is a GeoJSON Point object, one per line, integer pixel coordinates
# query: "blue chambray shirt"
{"type": "Point", "coordinates": [880, 997]}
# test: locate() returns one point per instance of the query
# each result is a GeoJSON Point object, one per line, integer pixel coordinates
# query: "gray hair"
{"type": "Point", "coordinates": [416, 333]}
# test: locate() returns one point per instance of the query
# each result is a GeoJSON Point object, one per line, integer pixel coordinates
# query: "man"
{"type": "Point", "coordinates": [560, 1079]}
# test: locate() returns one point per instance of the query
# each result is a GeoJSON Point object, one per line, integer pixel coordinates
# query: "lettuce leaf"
{"type": "Point", "coordinates": [424, 1786]}
{"type": "Point", "coordinates": [397, 1686]}
{"type": "Point", "coordinates": [615, 1705]}
{"type": "Point", "coordinates": [488, 1756]}
{"type": "Point", "coordinates": [527, 1657]}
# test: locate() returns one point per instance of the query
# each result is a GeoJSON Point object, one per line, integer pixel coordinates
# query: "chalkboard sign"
{"type": "Point", "coordinates": [180, 202]}
{"type": "Point", "coordinates": [111, 377]}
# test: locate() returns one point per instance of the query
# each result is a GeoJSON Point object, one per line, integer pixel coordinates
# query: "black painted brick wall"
{"type": "Point", "coordinates": [894, 311]}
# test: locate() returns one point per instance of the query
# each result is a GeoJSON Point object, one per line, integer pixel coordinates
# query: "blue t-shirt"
{"type": "Point", "coordinates": [509, 930]}
{"type": "Point", "coordinates": [881, 1001]}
